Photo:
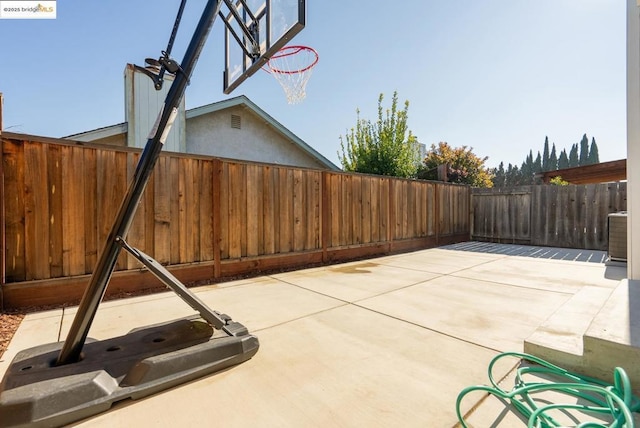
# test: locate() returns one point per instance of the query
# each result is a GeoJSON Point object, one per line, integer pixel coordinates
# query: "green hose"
{"type": "Point", "coordinates": [617, 401]}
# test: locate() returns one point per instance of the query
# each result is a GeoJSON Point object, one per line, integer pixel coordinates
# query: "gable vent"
{"type": "Point", "coordinates": [235, 121]}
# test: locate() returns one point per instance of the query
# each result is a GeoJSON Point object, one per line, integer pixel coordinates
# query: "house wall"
{"type": "Point", "coordinates": [633, 138]}
{"type": "Point", "coordinates": [213, 134]}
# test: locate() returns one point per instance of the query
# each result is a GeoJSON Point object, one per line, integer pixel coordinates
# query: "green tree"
{"type": "Point", "coordinates": [546, 157]}
{"type": "Point", "coordinates": [499, 176]}
{"type": "Point", "coordinates": [514, 176]}
{"type": "Point", "coordinates": [465, 167]}
{"type": "Point", "coordinates": [594, 157]}
{"type": "Point", "coordinates": [584, 151]}
{"type": "Point", "coordinates": [563, 160]}
{"type": "Point", "coordinates": [553, 159]}
{"type": "Point", "coordinates": [526, 170]}
{"type": "Point", "coordinates": [385, 147]}
{"type": "Point", "coordinates": [574, 159]}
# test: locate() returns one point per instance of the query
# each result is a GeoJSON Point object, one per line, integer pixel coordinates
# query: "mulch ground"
{"type": "Point", "coordinates": [9, 323]}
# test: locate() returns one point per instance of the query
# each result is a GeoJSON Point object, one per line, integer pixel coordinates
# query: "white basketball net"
{"type": "Point", "coordinates": [292, 67]}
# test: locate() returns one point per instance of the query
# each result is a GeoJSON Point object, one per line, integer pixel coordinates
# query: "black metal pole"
{"type": "Point", "coordinates": [97, 286]}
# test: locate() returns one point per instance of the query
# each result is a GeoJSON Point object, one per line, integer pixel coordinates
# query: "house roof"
{"type": "Point", "coordinates": [242, 100]}
{"type": "Point", "coordinates": [597, 173]}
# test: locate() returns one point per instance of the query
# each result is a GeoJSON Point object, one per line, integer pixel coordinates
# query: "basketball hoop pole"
{"type": "Point", "coordinates": [96, 288]}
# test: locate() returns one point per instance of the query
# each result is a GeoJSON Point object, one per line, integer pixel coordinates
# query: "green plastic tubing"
{"type": "Point", "coordinates": [617, 401]}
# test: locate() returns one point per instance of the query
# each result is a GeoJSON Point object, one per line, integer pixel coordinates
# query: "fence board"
{"type": "Point", "coordinates": [269, 209]}
{"type": "Point", "coordinates": [162, 210]}
{"type": "Point", "coordinates": [298, 207]}
{"type": "Point", "coordinates": [73, 194]}
{"type": "Point", "coordinates": [136, 235]}
{"type": "Point", "coordinates": [14, 214]}
{"type": "Point", "coordinates": [285, 210]}
{"type": "Point", "coordinates": [36, 212]}
{"type": "Point", "coordinates": [254, 212]}
{"type": "Point", "coordinates": [59, 247]}
{"type": "Point", "coordinates": [90, 177]}
{"type": "Point", "coordinates": [174, 207]}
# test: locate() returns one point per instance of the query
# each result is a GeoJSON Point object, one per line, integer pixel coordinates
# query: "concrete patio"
{"type": "Point", "coordinates": [384, 342]}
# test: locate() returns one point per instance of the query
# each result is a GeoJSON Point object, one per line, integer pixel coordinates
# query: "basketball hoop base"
{"type": "Point", "coordinates": [142, 362]}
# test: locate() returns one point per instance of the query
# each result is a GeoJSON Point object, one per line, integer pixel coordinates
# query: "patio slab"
{"type": "Point", "coordinates": [347, 367]}
{"type": "Point", "coordinates": [351, 282]}
{"type": "Point", "coordinates": [383, 342]}
{"type": "Point", "coordinates": [545, 274]}
{"type": "Point", "coordinates": [257, 305]}
{"type": "Point", "coordinates": [490, 314]}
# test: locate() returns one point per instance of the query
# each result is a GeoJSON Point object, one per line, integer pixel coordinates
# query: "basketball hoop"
{"type": "Point", "coordinates": [292, 67]}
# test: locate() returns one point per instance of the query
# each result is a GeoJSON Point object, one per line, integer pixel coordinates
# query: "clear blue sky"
{"type": "Point", "coordinates": [495, 75]}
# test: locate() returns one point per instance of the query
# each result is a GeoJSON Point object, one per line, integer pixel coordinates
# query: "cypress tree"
{"type": "Point", "coordinates": [553, 159]}
{"type": "Point", "coordinates": [499, 176]}
{"type": "Point", "coordinates": [537, 164]}
{"type": "Point", "coordinates": [563, 160]}
{"type": "Point", "coordinates": [526, 171]}
{"type": "Point", "coordinates": [594, 157]}
{"type": "Point", "coordinates": [545, 155]}
{"type": "Point", "coordinates": [513, 176]}
{"type": "Point", "coordinates": [574, 160]}
{"type": "Point", "coordinates": [584, 151]}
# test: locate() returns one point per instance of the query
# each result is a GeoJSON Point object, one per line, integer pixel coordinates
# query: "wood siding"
{"type": "Point", "coordinates": [206, 217]}
{"type": "Point", "coordinates": [573, 216]}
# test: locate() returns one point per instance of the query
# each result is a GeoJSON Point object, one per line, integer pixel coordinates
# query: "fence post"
{"type": "Point", "coordinates": [436, 209]}
{"type": "Point", "coordinates": [471, 211]}
{"type": "Point", "coordinates": [325, 213]}
{"type": "Point", "coordinates": [391, 215]}
{"type": "Point", "coordinates": [217, 186]}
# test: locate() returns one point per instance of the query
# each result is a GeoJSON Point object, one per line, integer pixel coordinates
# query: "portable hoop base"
{"type": "Point", "coordinates": [142, 362]}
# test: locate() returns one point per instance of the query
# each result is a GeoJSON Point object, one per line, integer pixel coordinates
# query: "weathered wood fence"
{"type": "Point", "coordinates": [205, 218]}
{"type": "Point", "coordinates": [573, 216]}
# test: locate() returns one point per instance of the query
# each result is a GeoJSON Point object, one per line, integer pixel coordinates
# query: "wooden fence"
{"type": "Point", "coordinates": [572, 216]}
{"type": "Point", "coordinates": [205, 218]}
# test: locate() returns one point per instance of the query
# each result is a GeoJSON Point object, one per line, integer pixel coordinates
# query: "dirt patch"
{"type": "Point", "coordinates": [9, 323]}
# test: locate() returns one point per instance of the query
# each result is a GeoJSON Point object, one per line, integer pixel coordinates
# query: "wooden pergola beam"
{"type": "Point", "coordinates": [597, 173]}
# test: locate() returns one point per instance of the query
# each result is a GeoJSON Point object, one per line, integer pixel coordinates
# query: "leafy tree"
{"type": "Point", "coordinates": [385, 147]}
{"type": "Point", "coordinates": [558, 181]}
{"type": "Point", "coordinates": [594, 157]}
{"type": "Point", "coordinates": [584, 151]}
{"type": "Point", "coordinates": [465, 167]}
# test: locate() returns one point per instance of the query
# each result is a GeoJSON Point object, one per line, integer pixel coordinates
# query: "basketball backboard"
{"type": "Point", "coordinates": [272, 23]}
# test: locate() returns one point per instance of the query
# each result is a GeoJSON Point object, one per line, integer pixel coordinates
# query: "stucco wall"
{"type": "Point", "coordinates": [119, 140]}
{"type": "Point", "coordinates": [212, 134]}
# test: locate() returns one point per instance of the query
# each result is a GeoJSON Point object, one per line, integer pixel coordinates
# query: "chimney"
{"type": "Point", "coordinates": [142, 106]}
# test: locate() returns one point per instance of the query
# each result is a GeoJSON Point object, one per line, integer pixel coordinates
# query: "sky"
{"type": "Point", "coordinates": [494, 75]}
